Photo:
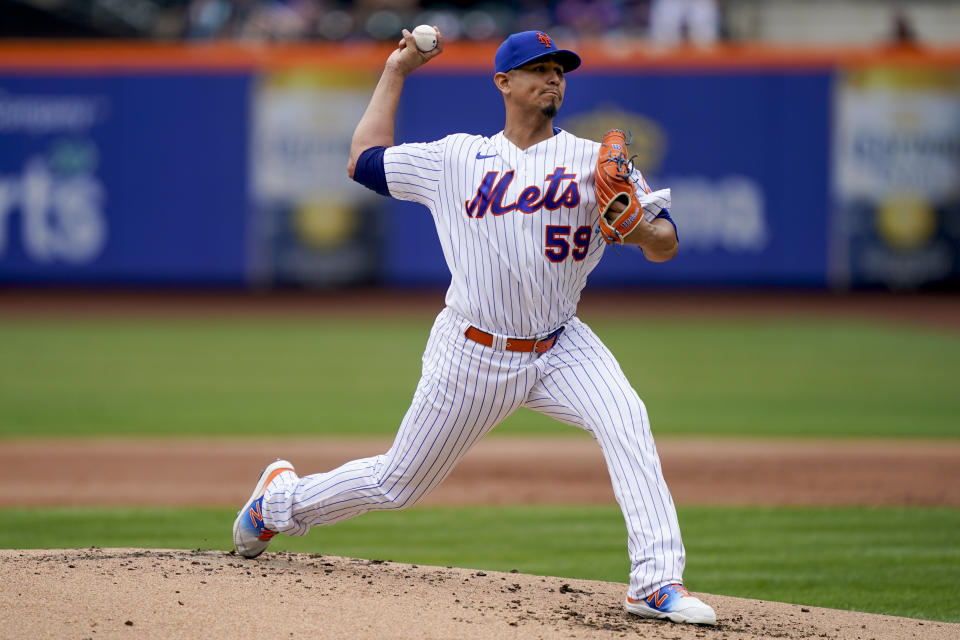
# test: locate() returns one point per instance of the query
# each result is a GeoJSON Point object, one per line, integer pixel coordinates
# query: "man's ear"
{"type": "Point", "coordinates": [502, 80]}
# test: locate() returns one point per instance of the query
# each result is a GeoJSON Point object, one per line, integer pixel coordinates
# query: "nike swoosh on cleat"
{"type": "Point", "coordinates": [481, 156]}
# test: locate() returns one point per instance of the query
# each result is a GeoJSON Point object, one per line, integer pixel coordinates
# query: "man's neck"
{"type": "Point", "coordinates": [524, 132]}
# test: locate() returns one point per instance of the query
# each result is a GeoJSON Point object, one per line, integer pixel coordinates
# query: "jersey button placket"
{"type": "Point", "coordinates": [531, 255]}
{"type": "Point", "coordinates": [528, 179]}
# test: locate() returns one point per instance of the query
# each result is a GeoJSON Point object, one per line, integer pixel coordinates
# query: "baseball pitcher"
{"type": "Point", "coordinates": [523, 217]}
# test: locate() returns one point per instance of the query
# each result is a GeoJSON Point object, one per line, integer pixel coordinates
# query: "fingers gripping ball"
{"type": "Point", "coordinates": [619, 210]}
{"type": "Point", "coordinates": [426, 37]}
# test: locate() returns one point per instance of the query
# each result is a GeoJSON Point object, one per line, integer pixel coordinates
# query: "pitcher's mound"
{"type": "Point", "coordinates": [131, 593]}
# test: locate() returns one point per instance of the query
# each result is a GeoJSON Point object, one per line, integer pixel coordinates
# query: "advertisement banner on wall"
{"type": "Point", "coordinates": [122, 179]}
{"type": "Point", "coordinates": [896, 218]}
{"type": "Point", "coordinates": [52, 194]}
{"type": "Point", "coordinates": [312, 225]}
{"type": "Point", "coordinates": [745, 154]}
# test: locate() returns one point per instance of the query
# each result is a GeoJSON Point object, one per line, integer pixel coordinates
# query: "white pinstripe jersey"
{"type": "Point", "coordinates": [517, 227]}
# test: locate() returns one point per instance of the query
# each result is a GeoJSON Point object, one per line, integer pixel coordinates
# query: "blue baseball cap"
{"type": "Point", "coordinates": [521, 48]}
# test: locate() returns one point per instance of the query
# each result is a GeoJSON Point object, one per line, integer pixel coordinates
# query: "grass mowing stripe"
{"type": "Point", "coordinates": [236, 376]}
{"type": "Point", "coordinates": [899, 561]}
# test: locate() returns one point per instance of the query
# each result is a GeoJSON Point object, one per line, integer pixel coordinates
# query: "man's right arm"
{"type": "Point", "coordinates": [375, 128]}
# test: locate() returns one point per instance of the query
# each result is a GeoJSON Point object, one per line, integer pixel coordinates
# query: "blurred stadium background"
{"type": "Point", "coordinates": [159, 143]}
{"type": "Point", "coordinates": [814, 22]}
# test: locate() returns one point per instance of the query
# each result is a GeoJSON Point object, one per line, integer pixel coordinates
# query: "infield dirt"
{"type": "Point", "coordinates": [504, 470]}
{"type": "Point", "coordinates": [130, 593]}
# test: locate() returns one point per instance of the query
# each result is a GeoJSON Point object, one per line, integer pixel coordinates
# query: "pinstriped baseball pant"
{"type": "Point", "coordinates": [465, 390]}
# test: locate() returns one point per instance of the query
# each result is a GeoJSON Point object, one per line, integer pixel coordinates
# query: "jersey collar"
{"type": "Point", "coordinates": [510, 149]}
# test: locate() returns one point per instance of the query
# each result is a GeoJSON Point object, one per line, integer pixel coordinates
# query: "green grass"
{"type": "Point", "coordinates": [900, 561]}
{"type": "Point", "coordinates": [234, 376]}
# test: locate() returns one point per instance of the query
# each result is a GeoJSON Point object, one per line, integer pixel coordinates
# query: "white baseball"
{"type": "Point", "coordinates": [426, 38]}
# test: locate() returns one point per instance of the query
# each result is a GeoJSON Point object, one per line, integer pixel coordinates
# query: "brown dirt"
{"type": "Point", "coordinates": [129, 593]}
{"type": "Point", "coordinates": [497, 471]}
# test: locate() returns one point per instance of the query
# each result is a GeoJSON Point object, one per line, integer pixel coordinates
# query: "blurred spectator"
{"type": "Point", "coordinates": [532, 15]}
{"type": "Point", "coordinates": [589, 17]}
{"type": "Point", "coordinates": [904, 35]}
{"type": "Point", "coordinates": [281, 20]}
{"type": "Point", "coordinates": [253, 19]}
{"type": "Point", "coordinates": [675, 21]}
{"type": "Point", "coordinates": [216, 18]}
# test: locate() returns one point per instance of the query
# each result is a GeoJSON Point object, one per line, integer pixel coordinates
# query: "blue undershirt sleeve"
{"type": "Point", "coordinates": [665, 214]}
{"type": "Point", "coordinates": [370, 172]}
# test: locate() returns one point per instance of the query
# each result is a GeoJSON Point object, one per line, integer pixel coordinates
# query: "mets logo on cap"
{"type": "Point", "coordinates": [520, 48]}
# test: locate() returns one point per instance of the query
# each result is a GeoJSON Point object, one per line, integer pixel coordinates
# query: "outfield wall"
{"type": "Point", "coordinates": [225, 164]}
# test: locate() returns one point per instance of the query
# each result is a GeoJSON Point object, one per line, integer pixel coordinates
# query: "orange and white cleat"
{"type": "Point", "coordinates": [250, 535]}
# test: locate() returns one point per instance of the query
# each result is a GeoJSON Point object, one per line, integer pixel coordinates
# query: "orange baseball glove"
{"type": "Point", "coordinates": [614, 188]}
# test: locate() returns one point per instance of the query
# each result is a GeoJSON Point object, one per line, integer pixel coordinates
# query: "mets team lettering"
{"type": "Point", "coordinates": [529, 201]}
{"type": "Point", "coordinates": [512, 223]}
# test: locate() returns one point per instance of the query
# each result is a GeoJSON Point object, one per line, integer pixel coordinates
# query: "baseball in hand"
{"type": "Point", "coordinates": [426, 38]}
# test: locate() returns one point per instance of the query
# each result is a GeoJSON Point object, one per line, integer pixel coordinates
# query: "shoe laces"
{"type": "Point", "coordinates": [266, 535]}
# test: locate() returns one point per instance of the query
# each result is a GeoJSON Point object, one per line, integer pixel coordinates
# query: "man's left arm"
{"type": "Point", "coordinates": [658, 239]}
